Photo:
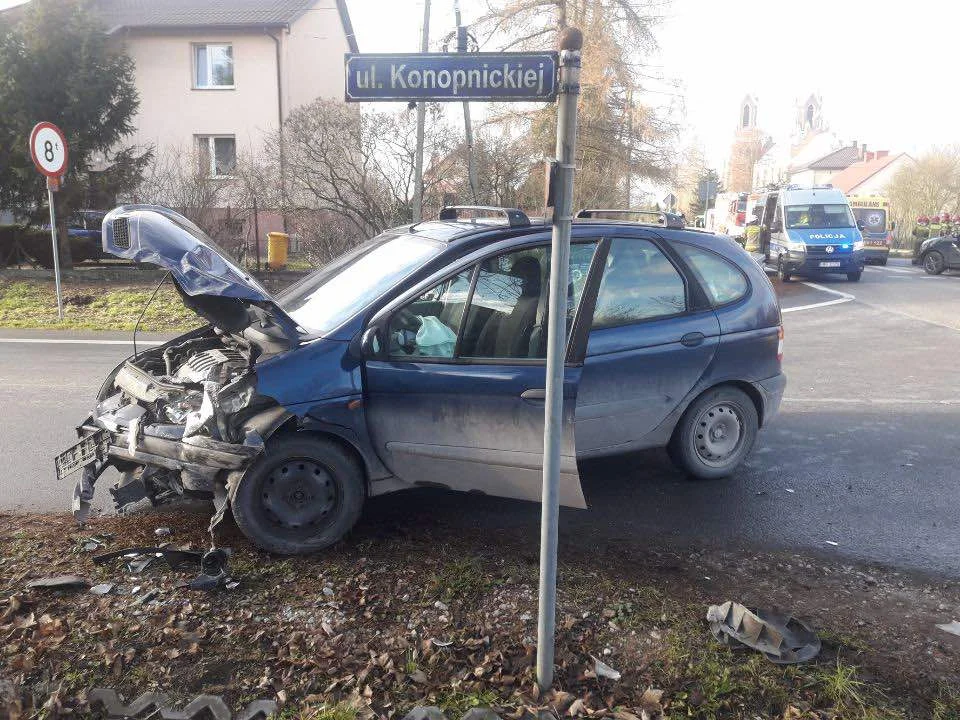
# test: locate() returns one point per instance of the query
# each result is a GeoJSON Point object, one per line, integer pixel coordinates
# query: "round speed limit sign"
{"type": "Point", "coordinates": [48, 148]}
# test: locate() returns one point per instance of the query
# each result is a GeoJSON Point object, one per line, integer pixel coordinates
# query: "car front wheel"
{"type": "Point", "coordinates": [854, 276]}
{"type": "Point", "coordinates": [933, 263]}
{"type": "Point", "coordinates": [715, 434]}
{"type": "Point", "coordinates": [302, 495]}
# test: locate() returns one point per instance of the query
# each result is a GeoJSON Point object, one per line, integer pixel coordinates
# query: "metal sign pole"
{"type": "Point", "coordinates": [56, 249]}
{"type": "Point", "coordinates": [570, 44]}
{"type": "Point", "coordinates": [421, 123]}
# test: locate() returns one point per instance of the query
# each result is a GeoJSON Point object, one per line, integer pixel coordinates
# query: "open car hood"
{"type": "Point", "coordinates": [210, 283]}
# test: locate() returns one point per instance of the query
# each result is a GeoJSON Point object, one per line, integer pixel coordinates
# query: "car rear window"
{"type": "Point", "coordinates": [721, 279]}
{"type": "Point", "coordinates": [639, 283]}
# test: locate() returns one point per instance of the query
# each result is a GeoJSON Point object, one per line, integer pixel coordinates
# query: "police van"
{"type": "Point", "coordinates": [811, 231]}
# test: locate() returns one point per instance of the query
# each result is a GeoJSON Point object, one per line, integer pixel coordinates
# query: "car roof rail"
{"type": "Point", "coordinates": [663, 217]}
{"type": "Point", "coordinates": [515, 216]}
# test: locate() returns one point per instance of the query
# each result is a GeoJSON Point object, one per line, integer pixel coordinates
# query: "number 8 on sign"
{"type": "Point", "coordinates": [48, 148]}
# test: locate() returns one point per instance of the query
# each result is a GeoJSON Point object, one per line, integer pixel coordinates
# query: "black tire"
{"type": "Point", "coordinates": [302, 495]}
{"type": "Point", "coordinates": [782, 272]}
{"type": "Point", "coordinates": [854, 276]}
{"type": "Point", "coordinates": [883, 261]}
{"type": "Point", "coordinates": [704, 444]}
{"type": "Point", "coordinates": [933, 263]}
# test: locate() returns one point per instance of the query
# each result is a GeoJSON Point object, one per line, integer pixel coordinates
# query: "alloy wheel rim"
{"type": "Point", "coordinates": [718, 433]}
{"type": "Point", "coordinates": [932, 263]}
{"type": "Point", "coordinates": [299, 494]}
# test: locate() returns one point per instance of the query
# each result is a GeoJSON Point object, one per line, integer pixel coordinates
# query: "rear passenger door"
{"type": "Point", "coordinates": [652, 337]}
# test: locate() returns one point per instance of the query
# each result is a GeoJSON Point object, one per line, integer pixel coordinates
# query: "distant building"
{"type": "Point", "coordinates": [215, 75]}
{"type": "Point", "coordinates": [871, 174]}
{"type": "Point", "coordinates": [822, 170]}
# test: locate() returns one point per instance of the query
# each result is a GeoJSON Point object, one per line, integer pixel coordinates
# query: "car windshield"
{"type": "Point", "coordinates": [333, 294]}
{"type": "Point", "coordinates": [819, 217]}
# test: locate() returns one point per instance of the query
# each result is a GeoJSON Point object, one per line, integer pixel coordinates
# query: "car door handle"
{"type": "Point", "coordinates": [692, 339]}
{"type": "Point", "coordinates": [534, 394]}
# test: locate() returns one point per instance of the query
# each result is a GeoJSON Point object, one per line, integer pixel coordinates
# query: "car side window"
{"type": "Point", "coordinates": [639, 283]}
{"type": "Point", "coordinates": [427, 327]}
{"type": "Point", "coordinates": [722, 280]}
{"type": "Point", "coordinates": [507, 317]}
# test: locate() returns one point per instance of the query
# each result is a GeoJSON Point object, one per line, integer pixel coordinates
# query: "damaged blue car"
{"type": "Point", "coordinates": [418, 359]}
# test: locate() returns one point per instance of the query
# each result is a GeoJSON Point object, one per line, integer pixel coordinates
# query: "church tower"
{"type": "Point", "coordinates": [746, 148]}
{"type": "Point", "coordinates": [809, 116]}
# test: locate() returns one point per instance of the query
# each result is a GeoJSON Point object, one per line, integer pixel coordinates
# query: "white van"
{"type": "Point", "coordinates": [810, 231]}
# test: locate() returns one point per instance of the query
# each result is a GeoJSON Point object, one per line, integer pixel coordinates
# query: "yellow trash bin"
{"type": "Point", "coordinates": [277, 245]}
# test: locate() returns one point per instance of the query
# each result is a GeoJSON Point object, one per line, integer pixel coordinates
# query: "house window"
{"type": "Point", "coordinates": [218, 154]}
{"type": "Point", "coordinates": [213, 65]}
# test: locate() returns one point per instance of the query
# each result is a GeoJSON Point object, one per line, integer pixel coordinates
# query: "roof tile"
{"type": "Point", "coordinates": [193, 13]}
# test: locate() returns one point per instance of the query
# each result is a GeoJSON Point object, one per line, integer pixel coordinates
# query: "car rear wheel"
{"type": "Point", "coordinates": [715, 434]}
{"type": "Point", "coordinates": [933, 263]}
{"type": "Point", "coordinates": [854, 276]}
{"type": "Point", "coordinates": [782, 271]}
{"type": "Point", "coordinates": [883, 261]}
{"type": "Point", "coordinates": [302, 495]}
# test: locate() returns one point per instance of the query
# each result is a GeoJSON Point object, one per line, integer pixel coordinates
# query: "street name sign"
{"type": "Point", "coordinates": [499, 77]}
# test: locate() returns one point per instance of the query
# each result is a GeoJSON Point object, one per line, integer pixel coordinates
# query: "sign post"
{"type": "Point", "coordinates": [509, 77]}
{"type": "Point", "coordinates": [48, 148]}
{"type": "Point", "coordinates": [570, 44]}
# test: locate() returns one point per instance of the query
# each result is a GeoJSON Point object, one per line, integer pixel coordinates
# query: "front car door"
{"type": "Point", "coordinates": [653, 335]}
{"type": "Point", "coordinates": [455, 395]}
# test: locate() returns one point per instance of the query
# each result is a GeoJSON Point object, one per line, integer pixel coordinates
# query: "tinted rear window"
{"type": "Point", "coordinates": [721, 279]}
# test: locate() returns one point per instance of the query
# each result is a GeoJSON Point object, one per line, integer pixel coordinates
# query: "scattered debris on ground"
{"type": "Point", "coordinates": [412, 613]}
{"type": "Point", "coordinates": [781, 638]}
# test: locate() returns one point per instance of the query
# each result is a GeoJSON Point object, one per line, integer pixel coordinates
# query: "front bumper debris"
{"type": "Point", "coordinates": [198, 458]}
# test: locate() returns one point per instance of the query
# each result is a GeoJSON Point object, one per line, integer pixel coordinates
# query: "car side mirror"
{"type": "Point", "coordinates": [861, 227]}
{"type": "Point", "coordinates": [776, 226]}
{"type": "Point", "coordinates": [370, 343]}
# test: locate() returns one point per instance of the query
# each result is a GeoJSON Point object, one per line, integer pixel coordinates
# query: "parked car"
{"type": "Point", "coordinates": [83, 232]}
{"type": "Point", "coordinates": [940, 253]}
{"type": "Point", "coordinates": [418, 359]}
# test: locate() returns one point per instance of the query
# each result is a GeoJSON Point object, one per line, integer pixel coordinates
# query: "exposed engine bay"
{"type": "Point", "coordinates": [176, 420]}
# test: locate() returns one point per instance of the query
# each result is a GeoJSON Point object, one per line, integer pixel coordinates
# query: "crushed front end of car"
{"type": "Point", "coordinates": [182, 419]}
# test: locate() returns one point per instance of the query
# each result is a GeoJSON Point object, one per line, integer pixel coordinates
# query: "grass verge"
{"type": "Point", "coordinates": [93, 307]}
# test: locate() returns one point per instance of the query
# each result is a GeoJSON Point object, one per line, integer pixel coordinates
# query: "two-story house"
{"type": "Point", "coordinates": [215, 75]}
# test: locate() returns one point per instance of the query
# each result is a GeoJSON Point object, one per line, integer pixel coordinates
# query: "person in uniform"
{"type": "Point", "coordinates": [752, 232]}
{"type": "Point", "coordinates": [921, 231]}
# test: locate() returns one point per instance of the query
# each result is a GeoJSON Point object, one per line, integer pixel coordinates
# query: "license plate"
{"type": "Point", "coordinates": [92, 447]}
{"type": "Point", "coordinates": [830, 264]}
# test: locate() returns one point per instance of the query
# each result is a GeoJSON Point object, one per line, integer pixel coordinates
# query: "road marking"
{"type": "Point", "coordinates": [901, 270]}
{"type": "Point", "coordinates": [843, 298]}
{"type": "Point", "coordinates": [872, 401]}
{"type": "Point", "coordinates": [75, 341]}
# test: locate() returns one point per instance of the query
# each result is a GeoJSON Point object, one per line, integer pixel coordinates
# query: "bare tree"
{"type": "Point", "coordinates": [927, 187]}
{"type": "Point", "coordinates": [178, 179]}
{"type": "Point", "coordinates": [355, 166]}
{"type": "Point", "coordinates": [622, 135]}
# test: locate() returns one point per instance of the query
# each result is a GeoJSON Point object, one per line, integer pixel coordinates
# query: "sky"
{"type": "Point", "coordinates": [883, 68]}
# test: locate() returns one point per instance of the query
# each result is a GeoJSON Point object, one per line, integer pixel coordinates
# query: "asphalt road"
{"type": "Point", "coordinates": [860, 463]}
